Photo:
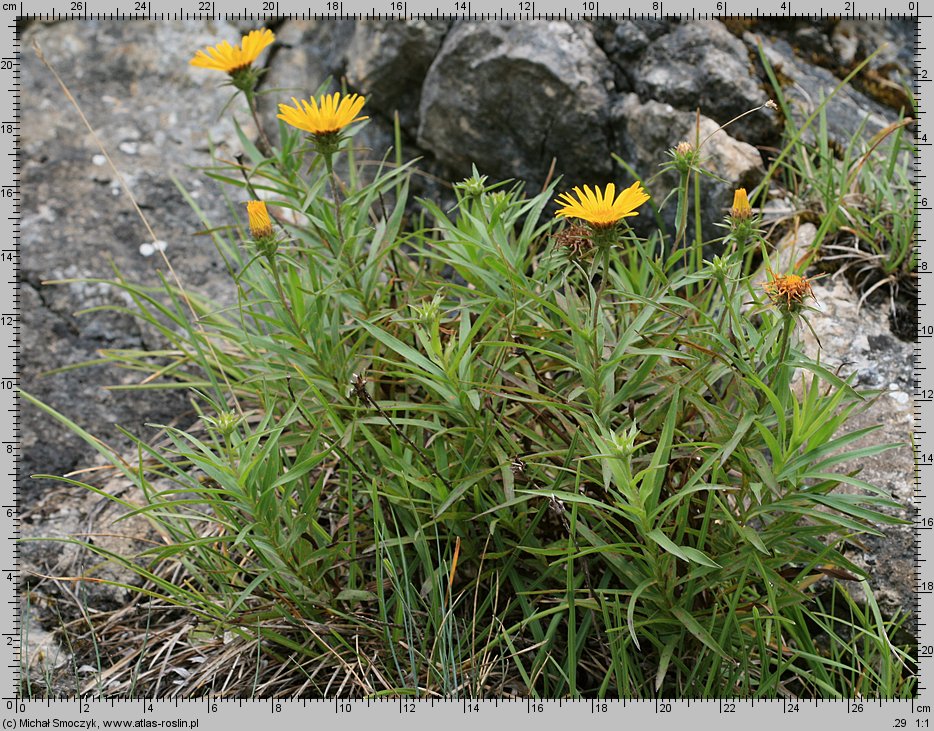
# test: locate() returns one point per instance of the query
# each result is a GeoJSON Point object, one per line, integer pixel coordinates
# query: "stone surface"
{"type": "Point", "coordinates": [511, 96]}
{"type": "Point", "coordinates": [645, 128]}
{"type": "Point", "coordinates": [77, 218]}
{"type": "Point", "coordinates": [702, 66]}
{"type": "Point", "coordinates": [388, 61]}
{"type": "Point", "coordinates": [858, 341]}
{"type": "Point", "coordinates": [806, 86]}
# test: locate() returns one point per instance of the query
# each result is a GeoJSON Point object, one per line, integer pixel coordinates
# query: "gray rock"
{"type": "Point", "coordinates": [511, 96]}
{"type": "Point", "coordinates": [701, 65]}
{"type": "Point", "coordinates": [893, 39]}
{"type": "Point", "coordinates": [805, 86]}
{"type": "Point", "coordinates": [311, 57]}
{"type": "Point", "coordinates": [623, 39]}
{"type": "Point", "coordinates": [859, 341]}
{"type": "Point", "coordinates": [646, 128]}
{"type": "Point", "coordinates": [388, 61]}
{"type": "Point", "coordinates": [76, 217]}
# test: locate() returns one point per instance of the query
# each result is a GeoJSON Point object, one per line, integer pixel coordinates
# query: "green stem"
{"type": "Point", "coordinates": [228, 448]}
{"type": "Point", "coordinates": [598, 295]}
{"type": "Point", "coordinates": [264, 146]}
{"type": "Point", "coordinates": [273, 265]}
{"type": "Point", "coordinates": [788, 325]}
{"type": "Point", "coordinates": [332, 178]}
{"type": "Point", "coordinates": [683, 210]}
{"type": "Point", "coordinates": [595, 323]}
{"type": "Point", "coordinates": [698, 230]}
{"type": "Point", "coordinates": [740, 252]}
{"type": "Point", "coordinates": [329, 164]}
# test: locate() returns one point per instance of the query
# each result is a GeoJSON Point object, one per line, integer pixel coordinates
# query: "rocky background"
{"type": "Point", "coordinates": [525, 100]}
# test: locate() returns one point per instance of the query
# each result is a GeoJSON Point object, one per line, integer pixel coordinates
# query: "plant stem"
{"type": "Point", "coordinates": [285, 302]}
{"type": "Point", "coordinates": [698, 247]}
{"type": "Point", "coordinates": [328, 163]}
{"type": "Point", "coordinates": [788, 325]}
{"type": "Point", "coordinates": [264, 146]}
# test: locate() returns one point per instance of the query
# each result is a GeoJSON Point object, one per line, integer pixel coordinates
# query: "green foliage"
{"type": "Point", "coordinates": [636, 470]}
{"type": "Point", "coordinates": [861, 193]}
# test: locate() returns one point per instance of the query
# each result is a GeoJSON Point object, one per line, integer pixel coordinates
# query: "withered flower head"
{"type": "Point", "coordinates": [788, 291]}
{"type": "Point", "coordinates": [578, 240]}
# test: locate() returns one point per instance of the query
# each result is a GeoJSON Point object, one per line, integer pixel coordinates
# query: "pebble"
{"type": "Point", "coordinates": [149, 248]}
{"type": "Point", "coordinates": [899, 397]}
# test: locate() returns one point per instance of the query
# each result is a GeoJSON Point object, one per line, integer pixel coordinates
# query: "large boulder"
{"type": "Point", "coordinates": [646, 129]}
{"type": "Point", "coordinates": [388, 61]}
{"type": "Point", "coordinates": [512, 96]}
{"type": "Point", "coordinates": [702, 66]}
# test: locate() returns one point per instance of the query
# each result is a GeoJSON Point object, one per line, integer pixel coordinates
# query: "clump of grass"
{"type": "Point", "coordinates": [861, 195]}
{"type": "Point", "coordinates": [469, 452]}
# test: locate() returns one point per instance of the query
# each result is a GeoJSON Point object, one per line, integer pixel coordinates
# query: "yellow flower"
{"type": "Point", "coordinates": [602, 210]}
{"type": "Point", "coordinates": [231, 59]}
{"type": "Point", "coordinates": [260, 223]}
{"type": "Point", "coordinates": [325, 115]}
{"type": "Point", "coordinates": [741, 209]}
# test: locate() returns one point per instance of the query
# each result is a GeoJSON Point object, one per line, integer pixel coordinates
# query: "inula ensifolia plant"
{"type": "Point", "coordinates": [460, 449]}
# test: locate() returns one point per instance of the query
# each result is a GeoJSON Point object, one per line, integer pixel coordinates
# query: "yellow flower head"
{"type": "Point", "coordinates": [231, 59]}
{"type": "Point", "coordinates": [260, 223]}
{"type": "Point", "coordinates": [787, 291]}
{"type": "Point", "coordinates": [602, 210]}
{"type": "Point", "coordinates": [325, 115]}
{"type": "Point", "coordinates": [741, 210]}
